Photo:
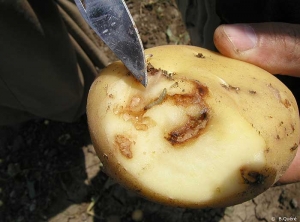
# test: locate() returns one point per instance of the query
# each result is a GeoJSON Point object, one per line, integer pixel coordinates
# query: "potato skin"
{"type": "Point", "coordinates": [253, 94]}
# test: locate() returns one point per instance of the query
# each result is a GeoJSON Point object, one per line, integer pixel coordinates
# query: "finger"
{"type": "Point", "coordinates": [292, 175]}
{"type": "Point", "coordinates": [274, 47]}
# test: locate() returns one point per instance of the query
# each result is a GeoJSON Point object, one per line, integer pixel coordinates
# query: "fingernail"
{"type": "Point", "coordinates": [243, 37]}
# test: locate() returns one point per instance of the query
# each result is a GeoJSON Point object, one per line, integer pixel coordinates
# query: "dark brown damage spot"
{"type": "Point", "coordinates": [191, 129]}
{"type": "Point", "coordinates": [230, 87]}
{"type": "Point", "coordinates": [196, 97]}
{"type": "Point", "coordinates": [252, 177]}
{"type": "Point", "coordinates": [286, 103]}
{"type": "Point", "coordinates": [134, 113]}
{"type": "Point", "coordinates": [195, 124]}
{"type": "Point", "coordinates": [151, 71]}
{"type": "Point", "coordinates": [278, 137]}
{"type": "Point", "coordinates": [293, 128]}
{"type": "Point", "coordinates": [201, 89]}
{"type": "Point", "coordinates": [293, 148]}
{"type": "Point", "coordinates": [124, 145]}
{"type": "Point", "coordinates": [276, 92]}
{"type": "Point", "coordinates": [200, 55]}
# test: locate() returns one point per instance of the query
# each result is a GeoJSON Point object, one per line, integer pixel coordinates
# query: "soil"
{"type": "Point", "coordinates": [49, 170]}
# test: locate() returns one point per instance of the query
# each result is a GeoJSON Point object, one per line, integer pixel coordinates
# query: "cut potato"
{"type": "Point", "coordinates": [207, 131]}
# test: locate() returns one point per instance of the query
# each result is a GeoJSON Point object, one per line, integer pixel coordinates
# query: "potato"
{"type": "Point", "coordinates": [207, 131]}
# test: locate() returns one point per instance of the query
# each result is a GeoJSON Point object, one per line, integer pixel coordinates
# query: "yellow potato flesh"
{"type": "Point", "coordinates": [207, 131]}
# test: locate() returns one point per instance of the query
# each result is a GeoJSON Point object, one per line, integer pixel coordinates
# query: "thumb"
{"type": "Point", "coordinates": [274, 47]}
{"type": "Point", "coordinates": [292, 174]}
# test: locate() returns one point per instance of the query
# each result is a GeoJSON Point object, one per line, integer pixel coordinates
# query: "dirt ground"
{"type": "Point", "coordinates": [49, 170]}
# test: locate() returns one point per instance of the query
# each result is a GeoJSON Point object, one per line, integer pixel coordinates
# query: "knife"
{"type": "Point", "coordinates": [113, 23]}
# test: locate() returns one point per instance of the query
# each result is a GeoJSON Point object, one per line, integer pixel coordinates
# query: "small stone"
{"type": "Point", "coordinates": [294, 203]}
{"type": "Point", "coordinates": [84, 217]}
{"type": "Point", "coordinates": [113, 218]}
{"type": "Point", "coordinates": [229, 211]}
{"type": "Point", "coordinates": [64, 139]}
{"type": "Point", "coordinates": [12, 194]}
{"type": "Point", "coordinates": [137, 215]}
{"type": "Point", "coordinates": [31, 189]}
{"type": "Point", "coordinates": [32, 207]}
{"type": "Point", "coordinates": [20, 219]}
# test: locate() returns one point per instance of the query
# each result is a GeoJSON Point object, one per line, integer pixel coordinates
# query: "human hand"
{"type": "Point", "coordinates": [274, 47]}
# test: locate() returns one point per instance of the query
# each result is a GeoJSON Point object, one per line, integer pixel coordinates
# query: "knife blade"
{"type": "Point", "coordinates": [113, 23]}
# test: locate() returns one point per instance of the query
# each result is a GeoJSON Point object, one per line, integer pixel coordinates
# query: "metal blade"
{"type": "Point", "coordinates": [112, 21]}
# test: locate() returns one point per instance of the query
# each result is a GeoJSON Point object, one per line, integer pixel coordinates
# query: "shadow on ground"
{"type": "Point", "coordinates": [49, 172]}
{"type": "Point", "coordinates": [41, 163]}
